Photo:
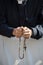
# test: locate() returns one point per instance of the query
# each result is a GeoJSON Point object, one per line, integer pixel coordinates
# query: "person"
{"type": "Point", "coordinates": [21, 18]}
{"type": "Point", "coordinates": [18, 18]}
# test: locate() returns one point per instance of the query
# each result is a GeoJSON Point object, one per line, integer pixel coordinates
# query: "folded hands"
{"type": "Point", "coordinates": [22, 32]}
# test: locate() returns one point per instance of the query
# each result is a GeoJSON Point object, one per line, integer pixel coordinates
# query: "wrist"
{"type": "Point", "coordinates": [31, 32]}
{"type": "Point", "coordinates": [13, 32]}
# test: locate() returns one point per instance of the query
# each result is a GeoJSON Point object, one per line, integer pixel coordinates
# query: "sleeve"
{"type": "Point", "coordinates": [37, 32]}
{"type": "Point", "coordinates": [5, 30]}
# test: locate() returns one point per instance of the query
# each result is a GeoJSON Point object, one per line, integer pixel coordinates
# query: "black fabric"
{"type": "Point", "coordinates": [13, 15]}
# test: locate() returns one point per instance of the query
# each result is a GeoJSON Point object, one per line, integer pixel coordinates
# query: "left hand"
{"type": "Point", "coordinates": [27, 32]}
{"type": "Point", "coordinates": [17, 32]}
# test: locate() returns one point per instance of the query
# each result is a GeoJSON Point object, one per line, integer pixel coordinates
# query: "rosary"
{"type": "Point", "coordinates": [24, 47]}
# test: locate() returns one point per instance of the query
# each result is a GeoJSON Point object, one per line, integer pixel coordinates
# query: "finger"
{"type": "Point", "coordinates": [26, 35]}
{"type": "Point", "coordinates": [26, 32]}
{"type": "Point", "coordinates": [19, 30]}
{"type": "Point", "coordinates": [21, 27]}
{"type": "Point", "coordinates": [18, 36]}
{"type": "Point", "coordinates": [18, 27]}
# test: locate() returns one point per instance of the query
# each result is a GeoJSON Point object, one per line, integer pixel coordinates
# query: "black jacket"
{"type": "Point", "coordinates": [13, 15]}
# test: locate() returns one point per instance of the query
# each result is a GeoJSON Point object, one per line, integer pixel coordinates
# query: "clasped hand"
{"type": "Point", "coordinates": [22, 32]}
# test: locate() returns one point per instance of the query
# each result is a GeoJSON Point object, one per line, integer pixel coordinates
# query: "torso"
{"type": "Point", "coordinates": [28, 13]}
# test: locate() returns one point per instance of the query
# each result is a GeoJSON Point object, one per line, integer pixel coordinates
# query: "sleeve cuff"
{"type": "Point", "coordinates": [34, 32]}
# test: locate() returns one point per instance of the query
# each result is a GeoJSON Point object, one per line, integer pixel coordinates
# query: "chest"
{"type": "Point", "coordinates": [27, 12]}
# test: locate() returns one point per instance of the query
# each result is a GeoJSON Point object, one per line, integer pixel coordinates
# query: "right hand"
{"type": "Point", "coordinates": [27, 33]}
{"type": "Point", "coordinates": [18, 32]}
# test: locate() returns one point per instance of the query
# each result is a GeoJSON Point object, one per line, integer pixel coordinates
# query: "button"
{"type": "Point", "coordinates": [27, 18]}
